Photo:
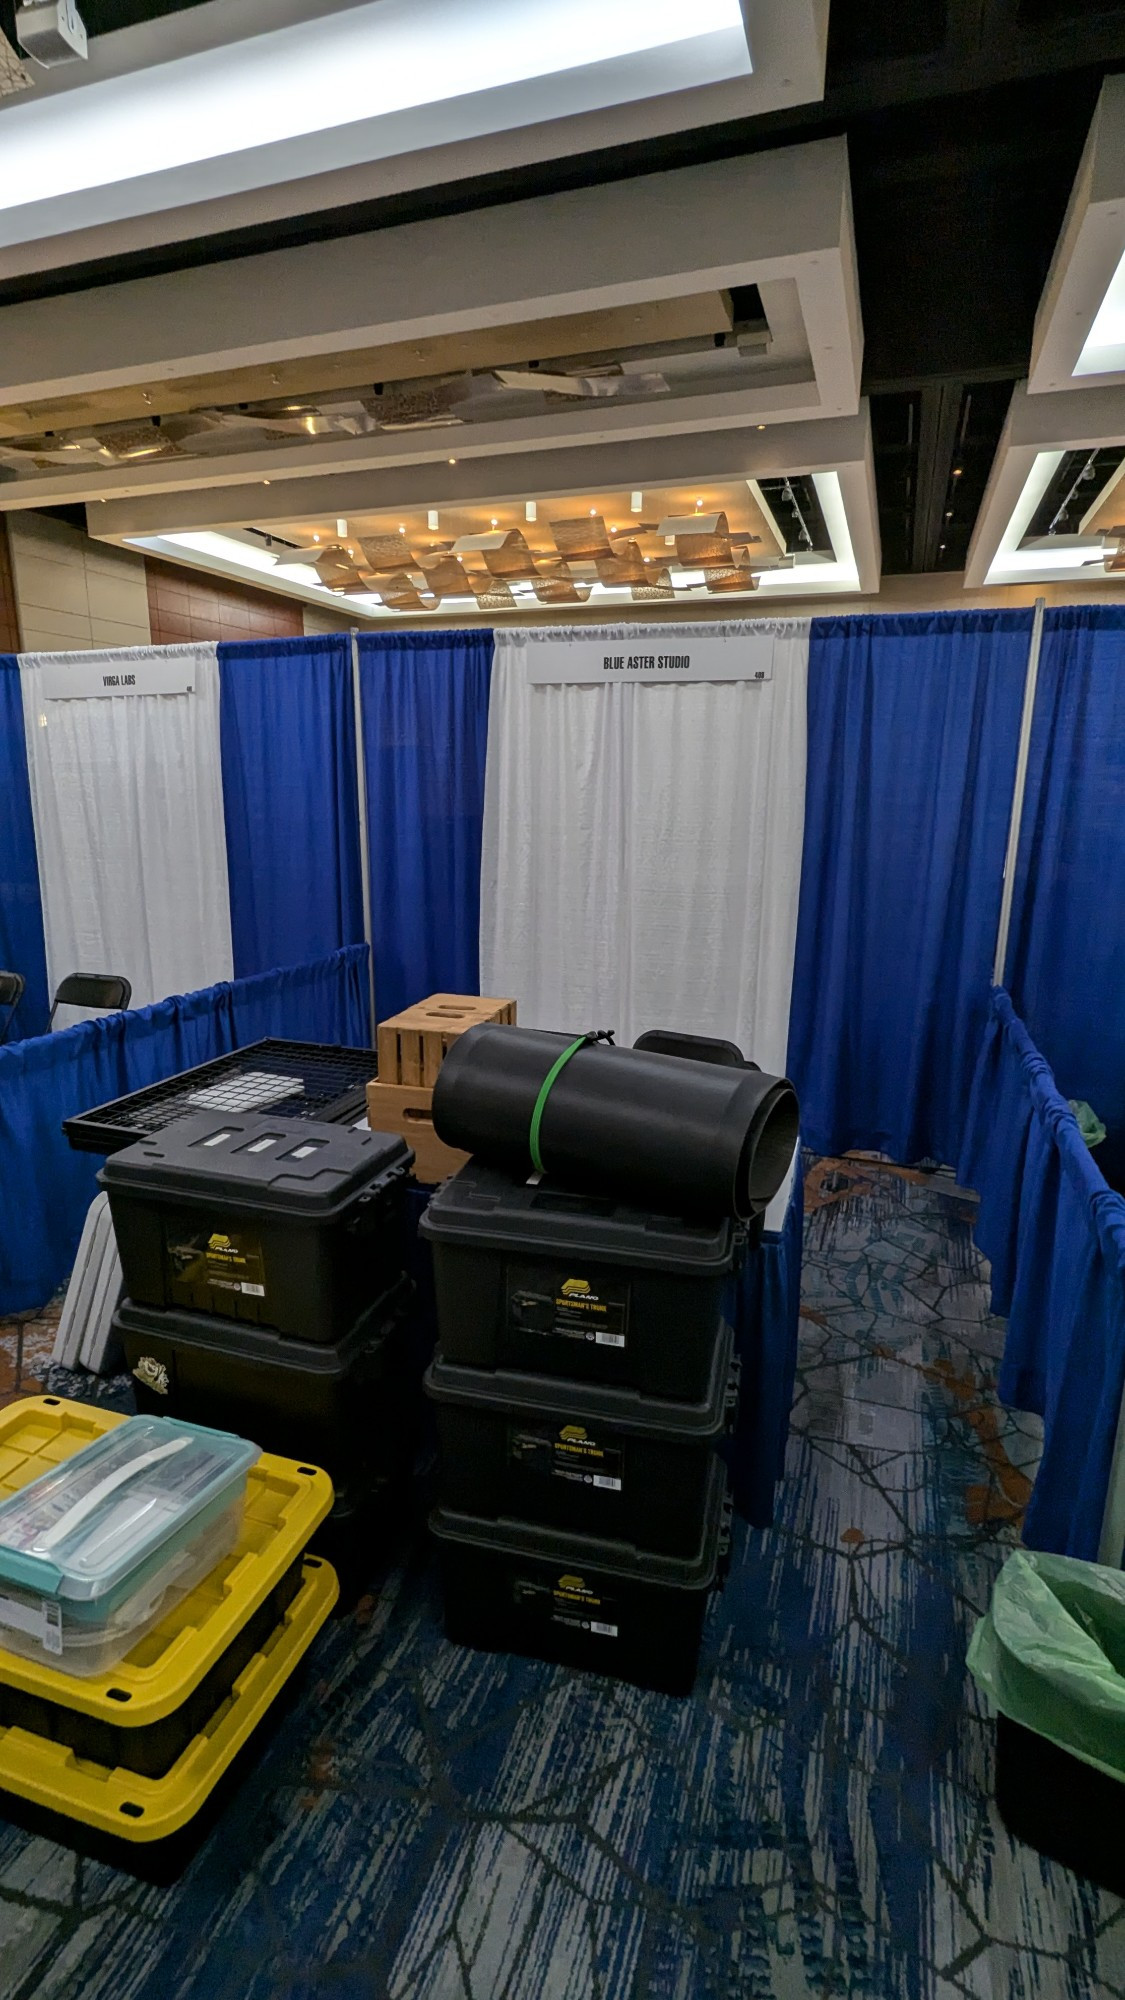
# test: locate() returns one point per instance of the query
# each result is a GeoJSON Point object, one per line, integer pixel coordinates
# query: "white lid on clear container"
{"type": "Point", "coordinates": [81, 1530]}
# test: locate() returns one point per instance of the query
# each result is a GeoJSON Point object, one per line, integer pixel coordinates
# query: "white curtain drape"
{"type": "Point", "coordinates": [642, 845]}
{"type": "Point", "coordinates": [127, 797]}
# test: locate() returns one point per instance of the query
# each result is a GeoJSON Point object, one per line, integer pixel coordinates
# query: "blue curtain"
{"type": "Point", "coordinates": [1066, 962]}
{"type": "Point", "coordinates": [767, 1327]}
{"type": "Point", "coordinates": [21, 913]}
{"type": "Point", "coordinates": [1056, 1237]}
{"type": "Point", "coordinates": [47, 1187]}
{"type": "Point", "coordinates": [913, 726]}
{"type": "Point", "coordinates": [425, 727]}
{"type": "Point", "coordinates": [291, 801]}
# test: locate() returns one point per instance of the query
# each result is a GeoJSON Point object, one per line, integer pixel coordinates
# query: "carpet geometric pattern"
{"type": "Point", "coordinates": [814, 1823]}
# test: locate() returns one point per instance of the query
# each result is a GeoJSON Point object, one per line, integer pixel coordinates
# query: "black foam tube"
{"type": "Point", "coordinates": [662, 1131]}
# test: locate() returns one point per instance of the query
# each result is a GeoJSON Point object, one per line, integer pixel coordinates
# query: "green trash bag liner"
{"type": "Point", "coordinates": [1089, 1124]}
{"type": "Point", "coordinates": [1050, 1652]}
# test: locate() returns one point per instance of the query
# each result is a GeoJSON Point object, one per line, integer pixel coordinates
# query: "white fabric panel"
{"type": "Point", "coordinates": [642, 846]}
{"type": "Point", "coordinates": [127, 797]}
{"type": "Point", "coordinates": [773, 1222]}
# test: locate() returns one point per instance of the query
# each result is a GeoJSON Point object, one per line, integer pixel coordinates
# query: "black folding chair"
{"type": "Point", "coordinates": [11, 993]}
{"type": "Point", "coordinates": [107, 990]}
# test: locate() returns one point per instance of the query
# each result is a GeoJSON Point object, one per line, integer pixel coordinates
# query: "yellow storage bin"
{"type": "Point", "coordinates": [149, 1825]}
{"type": "Point", "coordinates": [142, 1714]}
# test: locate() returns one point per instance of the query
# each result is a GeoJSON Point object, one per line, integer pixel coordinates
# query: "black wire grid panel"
{"type": "Point", "coordinates": [287, 1079]}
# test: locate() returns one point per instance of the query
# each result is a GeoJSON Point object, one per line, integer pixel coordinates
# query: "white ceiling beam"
{"type": "Point", "coordinates": [555, 430]}
{"type": "Point", "coordinates": [824, 446]}
{"type": "Point", "coordinates": [591, 105]}
{"type": "Point", "coordinates": [1089, 250]}
{"type": "Point", "coordinates": [775, 215]}
{"type": "Point", "coordinates": [1072, 420]}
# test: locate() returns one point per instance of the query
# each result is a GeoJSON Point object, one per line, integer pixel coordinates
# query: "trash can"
{"type": "Point", "coordinates": [1050, 1653]}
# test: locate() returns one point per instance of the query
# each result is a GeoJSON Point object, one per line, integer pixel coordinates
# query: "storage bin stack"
{"type": "Point", "coordinates": [156, 1597]}
{"type": "Point", "coordinates": [264, 1265]}
{"type": "Point", "coordinates": [584, 1382]}
{"type": "Point", "coordinates": [411, 1048]}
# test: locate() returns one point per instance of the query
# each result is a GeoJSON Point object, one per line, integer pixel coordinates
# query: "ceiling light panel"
{"type": "Point", "coordinates": [336, 91]}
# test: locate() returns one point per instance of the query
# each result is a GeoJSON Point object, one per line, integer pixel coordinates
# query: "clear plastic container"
{"type": "Point", "coordinates": [91, 1552]}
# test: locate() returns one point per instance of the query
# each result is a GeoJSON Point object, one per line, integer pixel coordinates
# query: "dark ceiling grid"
{"type": "Point", "coordinates": [965, 122]}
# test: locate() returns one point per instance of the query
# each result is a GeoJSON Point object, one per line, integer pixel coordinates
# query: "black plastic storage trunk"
{"type": "Point", "coordinates": [581, 1601]}
{"type": "Point", "coordinates": [533, 1278]}
{"type": "Point", "coordinates": [1060, 1805]}
{"type": "Point", "coordinates": [579, 1457]}
{"type": "Point", "coordinates": [349, 1408]}
{"type": "Point", "coordinates": [296, 1227]}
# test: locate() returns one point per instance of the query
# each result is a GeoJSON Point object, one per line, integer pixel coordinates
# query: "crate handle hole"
{"type": "Point", "coordinates": [419, 1116]}
{"type": "Point", "coordinates": [118, 1694]}
{"type": "Point", "coordinates": [132, 1811]}
{"type": "Point", "coordinates": [52, 1402]}
{"type": "Point", "coordinates": [313, 1562]}
{"type": "Point", "coordinates": [308, 1470]}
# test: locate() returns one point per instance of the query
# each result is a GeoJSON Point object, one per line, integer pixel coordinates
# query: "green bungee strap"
{"type": "Point", "coordinates": [579, 1042]}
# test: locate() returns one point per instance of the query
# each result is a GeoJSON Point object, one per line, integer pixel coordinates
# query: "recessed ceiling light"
{"type": "Point", "coordinates": [316, 538]}
{"type": "Point", "coordinates": [495, 522]}
{"type": "Point", "coordinates": [453, 461]}
{"type": "Point", "coordinates": [593, 512]}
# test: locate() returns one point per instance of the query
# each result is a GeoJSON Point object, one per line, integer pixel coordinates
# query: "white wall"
{"type": "Point", "coordinates": [73, 593]}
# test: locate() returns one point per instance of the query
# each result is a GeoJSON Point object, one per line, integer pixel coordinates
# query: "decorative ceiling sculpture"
{"type": "Point", "coordinates": [653, 561]}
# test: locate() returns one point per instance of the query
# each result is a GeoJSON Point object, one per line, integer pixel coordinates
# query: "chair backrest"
{"type": "Point", "coordinates": [11, 993]}
{"type": "Point", "coordinates": [93, 989]}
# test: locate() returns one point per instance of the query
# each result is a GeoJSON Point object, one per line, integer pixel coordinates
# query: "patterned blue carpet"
{"type": "Point", "coordinates": [431, 1824]}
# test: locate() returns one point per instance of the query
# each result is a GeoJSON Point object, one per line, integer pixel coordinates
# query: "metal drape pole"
{"type": "Point", "coordinates": [1015, 823]}
{"type": "Point", "coordinates": [364, 844]}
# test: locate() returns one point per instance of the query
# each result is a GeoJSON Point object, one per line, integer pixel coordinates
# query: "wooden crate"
{"type": "Point", "coordinates": [407, 1108]}
{"type": "Point", "coordinates": [412, 1045]}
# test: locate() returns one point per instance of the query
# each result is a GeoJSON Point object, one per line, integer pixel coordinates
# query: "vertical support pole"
{"type": "Point", "coordinates": [1031, 681]}
{"type": "Point", "coordinates": [364, 845]}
